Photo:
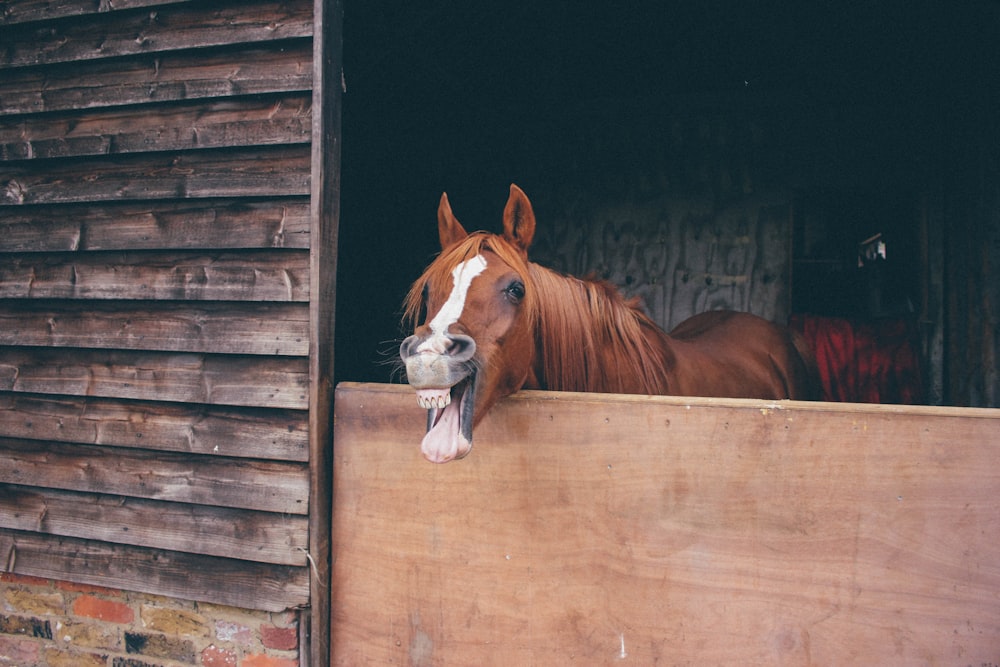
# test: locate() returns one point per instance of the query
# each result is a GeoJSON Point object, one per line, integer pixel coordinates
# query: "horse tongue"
{"type": "Point", "coordinates": [445, 441]}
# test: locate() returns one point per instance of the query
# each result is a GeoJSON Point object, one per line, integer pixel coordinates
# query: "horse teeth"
{"type": "Point", "coordinates": [434, 402]}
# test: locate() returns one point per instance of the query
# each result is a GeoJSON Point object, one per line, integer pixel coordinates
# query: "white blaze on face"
{"type": "Point", "coordinates": [449, 433]}
{"type": "Point", "coordinates": [462, 276]}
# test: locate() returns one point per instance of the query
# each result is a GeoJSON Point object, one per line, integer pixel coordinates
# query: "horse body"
{"type": "Point", "coordinates": [770, 361]}
{"type": "Point", "coordinates": [496, 323]}
{"type": "Point", "coordinates": [618, 349]}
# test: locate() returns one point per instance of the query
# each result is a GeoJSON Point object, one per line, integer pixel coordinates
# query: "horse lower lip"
{"type": "Point", "coordinates": [467, 406]}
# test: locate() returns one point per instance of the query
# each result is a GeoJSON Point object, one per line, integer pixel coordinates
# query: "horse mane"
{"type": "Point", "coordinates": [592, 339]}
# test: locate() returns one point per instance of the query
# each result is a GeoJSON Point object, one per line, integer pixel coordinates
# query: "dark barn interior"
{"type": "Point", "coordinates": [832, 165]}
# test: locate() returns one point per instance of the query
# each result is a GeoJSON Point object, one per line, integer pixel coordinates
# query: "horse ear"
{"type": "Point", "coordinates": [518, 219]}
{"type": "Point", "coordinates": [450, 230]}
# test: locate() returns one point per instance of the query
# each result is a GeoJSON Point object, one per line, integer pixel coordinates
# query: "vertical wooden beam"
{"type": "Point", "coordinates": [325, 216]}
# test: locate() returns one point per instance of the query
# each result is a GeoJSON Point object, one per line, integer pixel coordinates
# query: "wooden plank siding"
{"type": "Point", "coordinates": [177, 427]}
{"type": "Point", "coordinates": [273, 382]}
{"type": "Point", "coordinates": [166, 28]}
{"type": "Point", "coordinates": [594, 529]}
{"type": "Point", "coordinates": [280, 222]}
{"type": "Point", "coordinates": [40, 10]}
{"type": "Point", "coordinates": [161, 78]}
{"type": "Point", "coordinates": [157, 316]}
{"type": "Point", "coordinates": [247, 276]}
{"type": "Point", "coordinates": [183, 126]}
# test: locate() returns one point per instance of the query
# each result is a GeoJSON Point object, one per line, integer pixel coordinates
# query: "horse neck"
{"type": "Point", "coordinates": [588, 338]}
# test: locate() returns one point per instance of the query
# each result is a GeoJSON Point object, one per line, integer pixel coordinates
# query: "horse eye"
{"type": "Point", "coordinates": [515, 291]}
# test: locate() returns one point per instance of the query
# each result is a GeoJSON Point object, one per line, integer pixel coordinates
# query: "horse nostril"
{"type": "Point", "coordinates": [408, 347]}
{"type": "Point", "coordinates": [461, 348]}
{"type": "Point", "coordinates": [457, 347]}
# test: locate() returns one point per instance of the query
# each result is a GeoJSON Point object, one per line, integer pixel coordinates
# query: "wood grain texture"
{"type": "Point", "coordinates": [157, 376]}
{"type": "Point", "coordinates": [214, 531]}
{"type": "Point", "coordinates": [273, 434]}
{"type": "Point", "coordinates": [255, 121]}
{"type": "Point", "coordinates": [40, 10]}
{"type": "Point", "coordinates": [251, 276]}
{"type": "Point", "coordinates": [257, 172]}
{"type": "Point", "coordinates": [596, 529]}
{"type": "Point", "coordinates": [228, 581]}
{"type": "Point", "coordinates": [328, 75]}
{"type": "Point", "coordinates": [271, 329]}
{"type": "Point", "coordinates": [205, 224]}
{"type": "Point", "coordinates": [168, 77]}
{"type": "Point", "coordinates": [168, 28]}
{"type": "Point", "coordinates": [214, 481]}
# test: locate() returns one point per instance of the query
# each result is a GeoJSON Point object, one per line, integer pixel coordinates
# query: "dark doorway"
{"type": "Point", "coordinates": [862, 107]}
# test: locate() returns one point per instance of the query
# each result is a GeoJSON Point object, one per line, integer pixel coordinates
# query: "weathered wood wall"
{"type": "Point", "coordinates": [681, 257]}
{"type": "Point", "coordinates": [643, 530]}
{"type": "Point", "coordinates": [681, 209]}
{"type": "Point", "coordinates": [155, 297]}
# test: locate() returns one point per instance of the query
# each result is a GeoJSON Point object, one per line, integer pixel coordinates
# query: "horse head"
{"type": "Point", "coordinates": [475, 344]}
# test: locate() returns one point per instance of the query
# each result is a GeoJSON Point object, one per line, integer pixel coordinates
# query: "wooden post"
{"type": "Point", "coordinates": [325, 218]}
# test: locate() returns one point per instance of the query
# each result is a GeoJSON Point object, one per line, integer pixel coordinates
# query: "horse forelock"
{"type": "Point", "coordinates": [440, 271]}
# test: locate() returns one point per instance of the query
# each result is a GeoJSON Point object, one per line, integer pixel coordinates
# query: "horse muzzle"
{"type": "Point", "coordinates": [437, 361]}
{"type": "Point", "coordinates": [440, 368]}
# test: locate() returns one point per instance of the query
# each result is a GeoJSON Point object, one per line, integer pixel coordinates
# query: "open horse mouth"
{"type": "Point", "coordinates": [449, 420]}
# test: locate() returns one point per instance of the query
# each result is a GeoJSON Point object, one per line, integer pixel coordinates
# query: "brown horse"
{"type": "Point", "coordinates": [496, 322]}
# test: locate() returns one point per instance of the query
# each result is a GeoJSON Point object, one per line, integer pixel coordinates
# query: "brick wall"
{"type": "Point", "coordinates": [59, 624]}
